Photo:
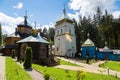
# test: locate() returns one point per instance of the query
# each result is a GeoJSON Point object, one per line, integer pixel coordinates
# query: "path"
{"type": "Point", "coordinates": [33, 73]}
{"type": "Point", "coordinates": [87, 67]}
{"type": "Point", "coordinates": [2, 68]}
{"type": "Point", "coordinates": [98, 63]}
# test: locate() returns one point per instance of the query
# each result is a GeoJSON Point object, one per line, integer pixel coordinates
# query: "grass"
{"type": "Point", "coordinates": [14, 71]}
{"type": "Point", "coordinates": [62, 62]}
{"type": "Point", "coordinates": [111, 65]}
{"type": "Point", "coordinates": [61, 74]}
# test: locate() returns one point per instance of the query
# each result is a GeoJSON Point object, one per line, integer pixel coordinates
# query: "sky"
{"type": "Point", "coordinates": [46, 12]}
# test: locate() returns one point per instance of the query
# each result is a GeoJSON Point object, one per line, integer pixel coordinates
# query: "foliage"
{"type": "Point", "coordinates": [13, 53]}
{"type": "Point", "coordinates": [80, 75]}
{"type": "Point", "coordinates": [101, 27]}
{"type": "Point", "coordinates": [21, 61]}
{"type": "Point", "coordinates": [77, 33]}
{"type": "Point", "coordinates": [114, 65]}
{"type": "Point", "coordinates": [28, 58]}
{"type": "Point", "coordinates": [60, 74]}
{"type": "Point", "coordinates": [87, 59]}
{"type": "Point", "coordinates": [46, 76]}
{"type": "Point", "coordinates": [14, 71]}
{"type": "Point", "coordinates": [0, 35]}
{"type": "Point", "coordinates": [35, 32]}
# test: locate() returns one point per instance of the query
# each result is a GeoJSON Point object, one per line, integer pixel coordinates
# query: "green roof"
{"type": "Point", "coordinates": [38, 39]}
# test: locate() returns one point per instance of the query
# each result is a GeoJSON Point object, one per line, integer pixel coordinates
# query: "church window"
{"type": "Point", "coordinates": [57, 49]}
{"type": "Point", "coordinates": [69, 31]}
{"type": "Point", "coordinates": [15, 41]}
{"type": "Point", "coordinates": [43, 51]}
{"type": "Point", "coordinates": [58, 32]}
{"type": "Point", "coordinates": [61, 31]}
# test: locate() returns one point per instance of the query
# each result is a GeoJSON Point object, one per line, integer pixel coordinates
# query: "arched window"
{"type": "Point", "coordinates": [61, 31]}
{"type": "Point", "coordinates": [69, 31]}
{"type": "Point", "coordinates": [58, 32]}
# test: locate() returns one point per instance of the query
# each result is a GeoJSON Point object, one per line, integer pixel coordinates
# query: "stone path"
{"type": "Point", "coordinates": [2, 68]}
{"type": "Point", "coordinates": [88, 68]}
{"type": "Point", "coordinates": [33, 73]}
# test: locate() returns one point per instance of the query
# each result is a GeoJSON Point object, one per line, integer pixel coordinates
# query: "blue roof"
{"type": "Point", "coordinates": [38, 39]}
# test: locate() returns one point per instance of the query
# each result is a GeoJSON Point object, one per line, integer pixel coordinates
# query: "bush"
{"type": "Point", "coordinates": [58, 61]}
{"type": "Point", "coordinates": [87, 59]}
{"type": "Point", "coordinates": [47, 76]}
{"type": "Point", "coordinates": [80, 75]}
{"type": "Point", "coordinates": [20, 61]}
{"type": "Point", "coordinates": [13, 53]}
{"type": "Point", "coordinates": [28, 58]}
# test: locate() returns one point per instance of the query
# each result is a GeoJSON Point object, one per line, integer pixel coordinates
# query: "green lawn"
{"type": "Point", "coordinates": [112, 65]}
{"type": "Point", "coordinates": [60, 74]}
{"type": "Point", "coordinates": [62, 62]}
{"type": "Point", "coordinates": [14, 71]}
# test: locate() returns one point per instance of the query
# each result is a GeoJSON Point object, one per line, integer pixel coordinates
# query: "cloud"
{"type": "Point", "coordinates": [89, 7]}
{"type": "Point", "coordinates": [116, 14]}
{"type": "Point", "coordinates": [9, 23]}
{"type": "Point", "coordinates": [38, 26]}
{"type": "Point", "coordinates": [18, 6]}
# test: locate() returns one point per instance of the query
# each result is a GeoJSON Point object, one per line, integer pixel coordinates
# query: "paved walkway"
{"type": "Point", "coordinates": [2, 68]}
{"type": "Point", "coordinates": [33, 73]}
{"type": "Point", "coordinates": [98, 63]}
{"type": "Point", "coordinates": [88, 68]}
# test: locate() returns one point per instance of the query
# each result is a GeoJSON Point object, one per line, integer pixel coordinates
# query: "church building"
{"type": "Point", "coordinates": [65, 38]}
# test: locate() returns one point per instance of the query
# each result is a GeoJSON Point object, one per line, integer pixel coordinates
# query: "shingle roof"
{"type": "Point", "coordinates": [38, 39]}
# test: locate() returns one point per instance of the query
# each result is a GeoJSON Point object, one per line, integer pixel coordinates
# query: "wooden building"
{"type": "Point", "coordinates": [23, 30]}
{"type": "Point", "coordinates": [39, 47]}
{"type": "Point", "coordinates": [10, 44]}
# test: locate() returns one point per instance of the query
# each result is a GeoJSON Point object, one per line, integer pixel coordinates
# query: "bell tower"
{"type": "Point", "coordinates": [65, 39]}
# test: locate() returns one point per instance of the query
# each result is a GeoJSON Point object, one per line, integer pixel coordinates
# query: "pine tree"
{"type": "Point", "coordinates": [77, 33]}
{"type": "Point", "coordinates": [28, 58]}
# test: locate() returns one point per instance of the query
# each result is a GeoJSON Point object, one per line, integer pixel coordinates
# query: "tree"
{"type": "Point", "coordinates": [77, 33]}
{"type": "Point", "coordinates": [13, 53]}
{"type": "Point", "coordinates": [51, 34]}
{"type": "Point", "coordinates": [28, 58]}
{"type": "Point", "coordinates": [0, 35]}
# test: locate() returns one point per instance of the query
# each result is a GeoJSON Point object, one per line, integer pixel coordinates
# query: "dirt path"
{"type": "Point", "coordinates": [2, 68]}
{"type": "Point", "coordinates": [88, 68]}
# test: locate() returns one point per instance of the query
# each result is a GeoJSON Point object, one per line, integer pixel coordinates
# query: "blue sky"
{"type": "Point", "coordinates": [47, 12]}
{"type": "Point", "coordinates": [41, 11]}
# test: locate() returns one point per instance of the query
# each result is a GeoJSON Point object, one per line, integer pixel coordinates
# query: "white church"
{"type": "Point", "coordinates": [65, 38]}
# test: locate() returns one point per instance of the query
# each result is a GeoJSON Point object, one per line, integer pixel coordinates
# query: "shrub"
{"type": "Point", "coordinates": [95, 57]}
{"type": "Point", "coordinates": [13, 53]}
{"type": "Point", "coordinates": [58, 61]}
{"type": "Point", "coordinates": [28, 58]}
{"type": "Point", "coordinates": [87, 59]}
{"type": "Point", "coordinates": [20, 61]}
{"type": "Point", "coordinates": [46, 76]}
{"type": "Point", "coordinates": [80, 75]}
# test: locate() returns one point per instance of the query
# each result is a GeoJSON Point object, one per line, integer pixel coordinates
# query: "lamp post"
{"type": "Point", "coordinates": [108, 70]}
